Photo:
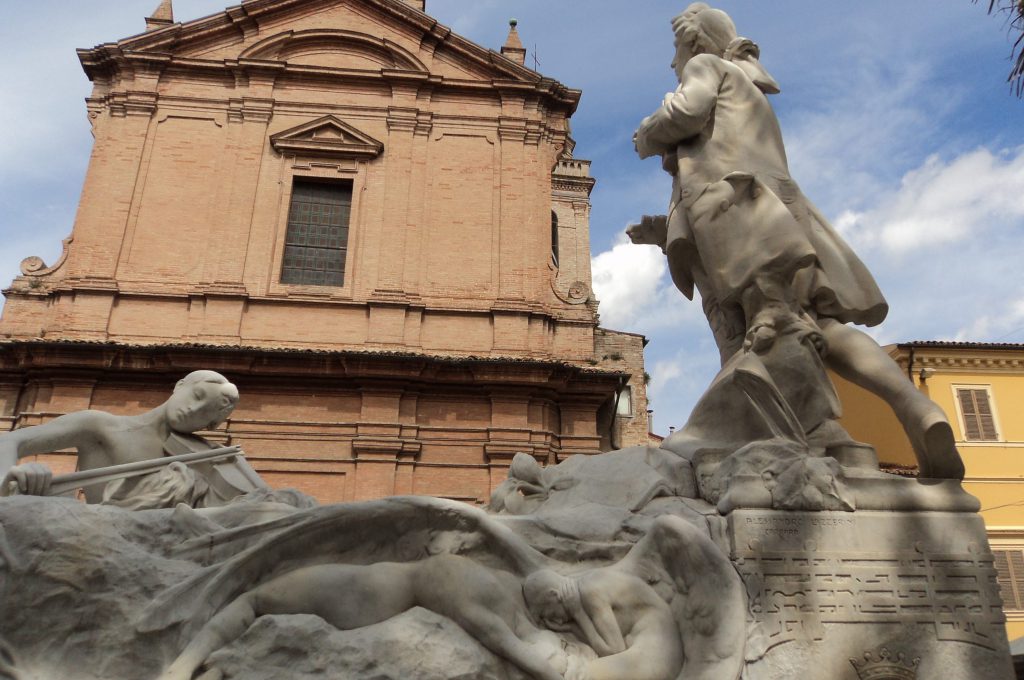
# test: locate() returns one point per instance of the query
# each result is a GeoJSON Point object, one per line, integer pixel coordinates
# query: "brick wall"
{"type": "Point", "coordinates": [339, 427]}
{"type": "Point", "coordinates": [625, 352]}
{"type": "Point", "coordinates": [456, 160]}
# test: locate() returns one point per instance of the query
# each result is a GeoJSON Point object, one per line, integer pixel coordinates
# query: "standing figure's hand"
{"type": "Point", "coordinates": [30, 479]}
{"type": "Point", "coordinates": [640, 142]}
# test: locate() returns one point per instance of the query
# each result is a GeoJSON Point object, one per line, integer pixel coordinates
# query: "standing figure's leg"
{"type": "Point", "coordinates": [856, 357]}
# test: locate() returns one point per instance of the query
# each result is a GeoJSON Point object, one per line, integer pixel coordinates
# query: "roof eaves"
{"type": "Point", "coordinates": [313, 351]}
{"type": "Point", "coordinates": [954, 344]}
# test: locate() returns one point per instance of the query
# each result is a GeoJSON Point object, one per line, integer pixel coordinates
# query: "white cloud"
{"type": "Point", "coordinates": [943, 202]}
{"type": "Point", "coordinates": [865, 127]}
{"type": "Point", "coordinates": [637, 294]}
{"type": "Point", "coordinates": [627, 279]}
{"type": "Point", "coordinates": [666, 371]}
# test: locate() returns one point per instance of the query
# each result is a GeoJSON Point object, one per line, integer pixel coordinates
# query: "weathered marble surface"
{"type": "Point", "coordinates": [828, 587]}
{"type": "Point", "coordinates": [417, 645]}
{"type": "Point", "coordinates": [759, 542]}
{"type": "Point", "coordinates": [74, 578]}
{"type": "Point", "coordinates": [756, 591]}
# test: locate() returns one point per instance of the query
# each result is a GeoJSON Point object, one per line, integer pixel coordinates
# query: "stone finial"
{"type": "Point", "coordinates": [513, 47]}
{"type": "Point", "coordinates": [162, 16]}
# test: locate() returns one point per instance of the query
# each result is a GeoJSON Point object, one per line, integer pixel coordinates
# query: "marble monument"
{"type": "Point", "coordinates": [759, 542]}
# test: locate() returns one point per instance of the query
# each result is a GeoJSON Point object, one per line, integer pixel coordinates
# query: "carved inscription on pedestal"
{"type": "Point", "coordinates": [803, 570]}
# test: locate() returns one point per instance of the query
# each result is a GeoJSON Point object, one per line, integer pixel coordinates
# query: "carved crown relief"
{"type": "Point", "coordinates": [884, 665]}
{"type": "Point", "coordinates": [327, 136]}
{"type": "Point", "coordinates": [334, 48]}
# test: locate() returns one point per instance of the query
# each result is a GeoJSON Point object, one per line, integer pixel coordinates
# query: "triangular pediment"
{"type": "Point", "coordinates": [342, 34]}
{"type": "Point", "coordinates": [327, 136]}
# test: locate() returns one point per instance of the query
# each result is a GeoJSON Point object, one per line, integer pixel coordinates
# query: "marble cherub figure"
{"type": "Point", "coordinates": [201, 400]}
{"type": "Point", "coordinates": [740, 230]}
{"type": "Point", "coordinates": [351, 596]}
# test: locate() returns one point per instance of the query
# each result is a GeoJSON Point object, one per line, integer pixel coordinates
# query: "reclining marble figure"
{"type": "Point", "coordinates": [622, 618]}
{"type": "Point", "coordinates": [353, 596]}
{"type": "Point", "coordinates": [201, 400]}
{"type": "Point", "coordinates": [673, 601]}
{"type": "Point", "coordinates": [757, 250]}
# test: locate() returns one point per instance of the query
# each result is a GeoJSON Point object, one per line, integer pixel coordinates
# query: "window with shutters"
{"type": "Point", "coordinates": [976, 413]}
{"type": "Point", "coordinates": [316, 241]}
{"type": "Point", "coordinates": [1010, 576]}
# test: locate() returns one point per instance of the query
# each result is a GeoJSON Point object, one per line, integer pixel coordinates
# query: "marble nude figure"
{"type": "Point", "coordinates": [200, 401]}
{"type": "Point", "coordinates": [615, 622]}
{"type": "Point", "coordinates": [624, 565]}
{"type": "Point", "coordinates": [629, 626]}
{"type": "Point", "coordinates": [352, 596]}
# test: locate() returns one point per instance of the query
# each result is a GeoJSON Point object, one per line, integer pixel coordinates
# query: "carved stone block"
{"type": "Point", "coordinates": [843, 596]}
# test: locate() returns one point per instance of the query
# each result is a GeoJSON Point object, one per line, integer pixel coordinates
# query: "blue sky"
{"type": "Point", "coordinates": [897, 117]}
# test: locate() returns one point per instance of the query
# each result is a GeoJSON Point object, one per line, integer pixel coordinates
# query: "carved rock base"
{"type": "Point", "coordinates": [857, 595]}
{"type": "Point", "coordinates": [417, 645]}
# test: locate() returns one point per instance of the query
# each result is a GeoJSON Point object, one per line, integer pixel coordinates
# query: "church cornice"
{"type": "Point", "coordinates": [961, 357]}
{"type": "Point", "coordinates": [242, 21]}
{"type": "Point", "coordinates": [572, 175]}
{"type": "Point", "coordinates": [111, 64]}
{"type": "Point", "coordinates": [573, 185]}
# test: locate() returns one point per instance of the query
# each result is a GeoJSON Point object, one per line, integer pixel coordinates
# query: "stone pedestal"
{"type": "Point", "coordinates": [850, 595]}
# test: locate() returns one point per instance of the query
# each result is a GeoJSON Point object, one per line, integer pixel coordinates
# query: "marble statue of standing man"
{"type": "Point", "coordinates": [742, 233]}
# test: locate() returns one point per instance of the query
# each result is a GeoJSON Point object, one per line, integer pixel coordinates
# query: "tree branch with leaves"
{"type": "Point", "coordinates": [1014, 11]}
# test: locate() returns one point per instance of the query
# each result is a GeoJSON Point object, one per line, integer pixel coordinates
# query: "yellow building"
{"type": "Point", "coordinates": [980, 386]}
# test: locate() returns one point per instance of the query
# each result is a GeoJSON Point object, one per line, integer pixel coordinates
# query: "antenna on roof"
{"type": "Point", "coordinates": [536, 63]}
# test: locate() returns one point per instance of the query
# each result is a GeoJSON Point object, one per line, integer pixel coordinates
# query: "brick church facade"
{"type": "Point", "coordinates": [374, 227]}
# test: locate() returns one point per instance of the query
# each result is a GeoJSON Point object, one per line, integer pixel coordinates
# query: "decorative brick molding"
{"type": "Point", "coordinates": [327, 136]}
